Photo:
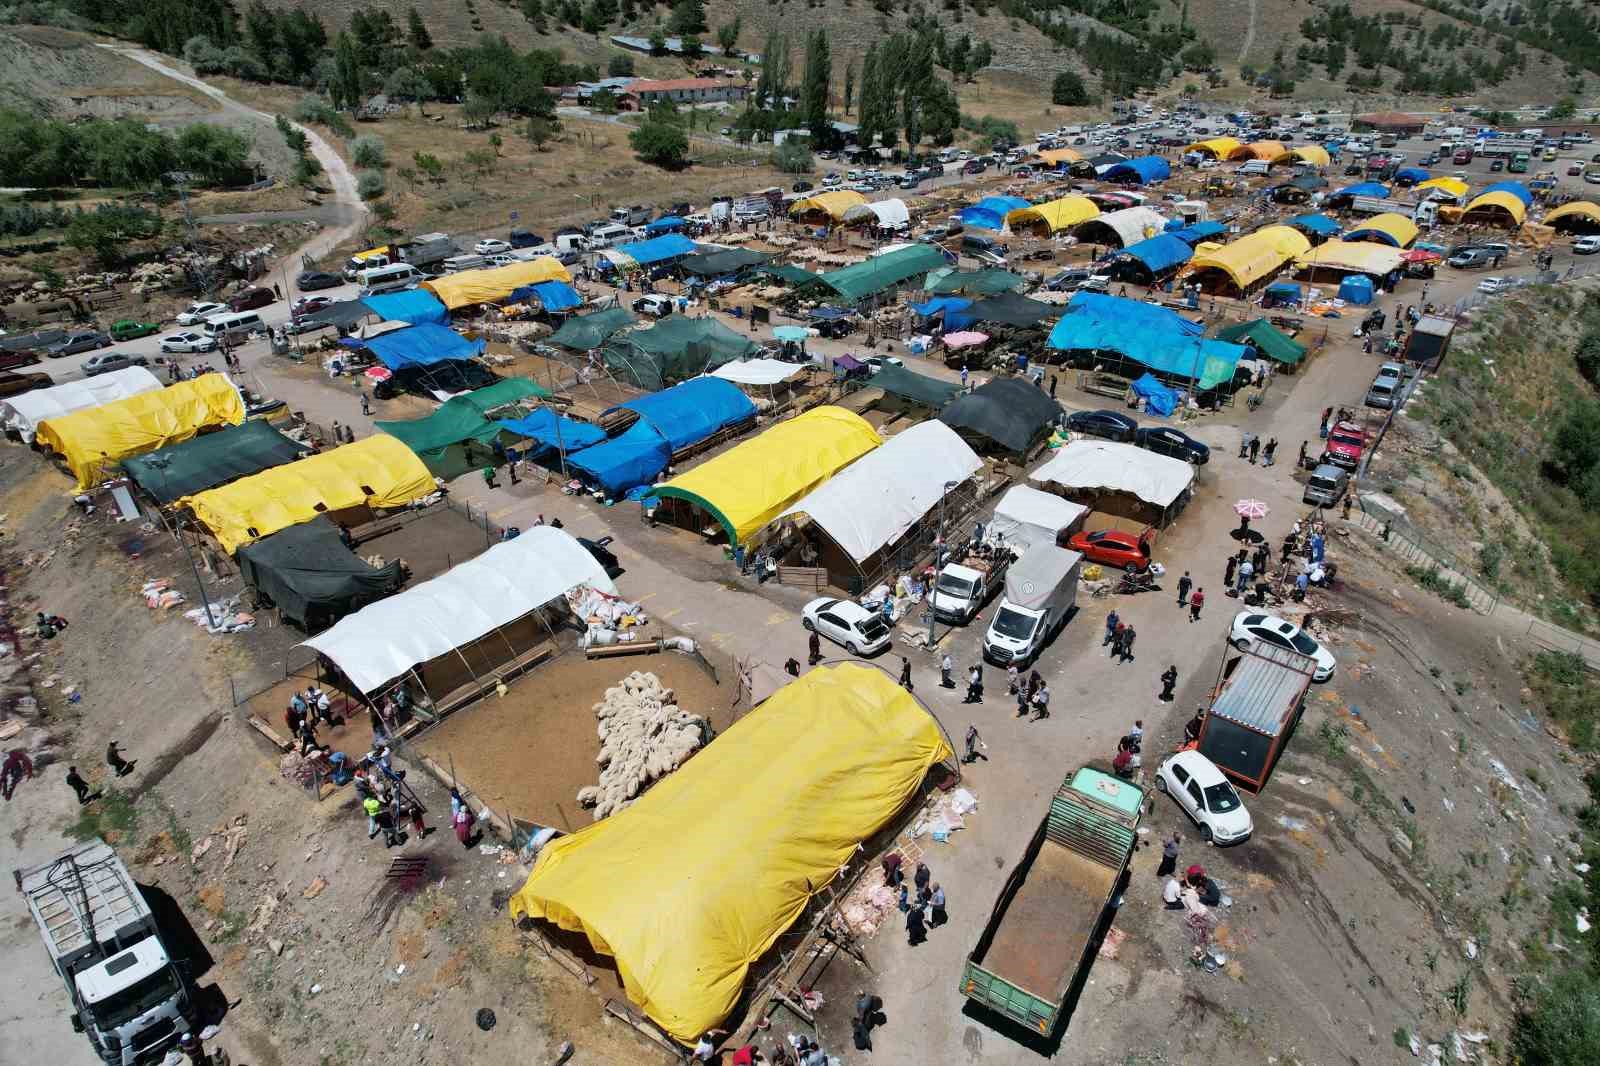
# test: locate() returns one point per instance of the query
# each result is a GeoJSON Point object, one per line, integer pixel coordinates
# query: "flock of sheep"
{"type": "Point", "coordinates": [644, 735]}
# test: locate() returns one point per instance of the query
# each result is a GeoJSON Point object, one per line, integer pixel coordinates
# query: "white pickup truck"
{"type": "Point", "coordinates": [963, 588]}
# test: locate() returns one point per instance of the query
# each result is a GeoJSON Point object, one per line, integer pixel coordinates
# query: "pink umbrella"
{"type": "Point", "coordinates": [965, 339]}
{"type": "Point", "coordinates": [378, 373]}
{"type": "Point", "coordinates": [1250, 509]}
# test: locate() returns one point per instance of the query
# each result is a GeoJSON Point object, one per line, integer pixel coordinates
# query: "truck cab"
{"type": "Point", "coordinates": [1041, 591]}
{"type": "Point", "coordinates": [961, 590]}
{"type": "Point", "coordinates": [1346, 442]}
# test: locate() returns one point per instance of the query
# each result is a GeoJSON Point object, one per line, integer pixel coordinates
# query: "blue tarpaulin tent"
{"type": "Point", "coordinates": [1160, 253]}
{"type": "Point", "coordinates": [991, 211]}
{"type": "Point", "coordinates": [692, 410]}
{"type": "Point", "coordinates": [1140, 170]}
{"type": "Point", "coordinates": [1196, 232]}
{"type": "Point", "coordinates": [1158, 399]}
{"type": "Point", "coordinates": [1117, 311]}
{"type": "Point", "coordinates": [1156, 337]}
{"type": "Point", "coordinates": [939, 304]}
{"type": "Point", "coordinates": [1515, 188]}
{"type": "Point", "coordinates": [1365, 188]}
{"type": "Point", "coordinates": [1356, 289]}
{"type": "Point", "coordinates": [1281, 293]}
{"type": "Point", "coordinates": [1320, 225]}
{"type": "Point", "coordinates": [421, 345]}
{"type": "Point", "coordinates": [551, 431]}
{"type": "Point", "coordinates": [1410, 175]}
{"type": "Point", "coordinates": [625, 462]}
{"type": "Point", "coordinates": [553, 295]}
{"type": "Point", "coordinates": [657, 249]}
{"type": "Point", "coordinates": [413, 305]}
{"type": "Point", "coordinates": [666, 224]}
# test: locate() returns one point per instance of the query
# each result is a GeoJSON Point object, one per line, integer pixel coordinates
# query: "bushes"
{"type": "Point", "coordinates": [1068, 90]}
{"type": "Point", "coordinates": [660, 142]}
{"type": "Point", "coordinates": [370, 185]}
{"type": "Point", "coordinates": [793, 157]}
{"type": "Point", "coordinates": [314, 109]}
{"type": "Point", "coordinates": [1561, 681]}
{"type": "Point", "coordinates": [369, 152]}
{"type": "Point", "coordinates": [1587, 356]}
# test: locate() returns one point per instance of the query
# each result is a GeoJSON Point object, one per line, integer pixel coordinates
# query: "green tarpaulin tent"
{"type": "Point", "coordinates": [590, 331]}
{"type": "Point", "coordinates": [212, 459]}
{"type": "Point", "coordinates": [675, 349]}
{"type": "Point", "coordinates": [708, 264]}
{"type": "Point", "coordinates": [1010, 309]}
{"type": "Point", "coordinates": [792, 274]}
{"type": "Point", "coordinates": [308, 573]}
{"type": "Point", "coordinates": [1266, 339]}
{"type": "Point", "coordinates": [503, 392]}
{"type": "Point", "coordinates": [919, 388]}
{"type": "Point", "coordinates": [974, 282]}
{"type": "Point", "coordinates": [882, 272]}
{"type": "Point", "coordinates": [457, 437]}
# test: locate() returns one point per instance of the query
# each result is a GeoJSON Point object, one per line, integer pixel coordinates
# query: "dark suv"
{"type": "Point", "coordinates": [250, 299]}
{"type": "Point", "coordinates": [1164, 440]}
{"type": "Point", "coordinates": [1112, 425]}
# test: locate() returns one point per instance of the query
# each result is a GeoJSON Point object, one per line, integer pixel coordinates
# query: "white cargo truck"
{"type": "Point", "coordinates": [1025, 516]}
{"type": "Point", "coordinates": [128, 996]}
{"type": "Point", "coordinates": [1041, 588]}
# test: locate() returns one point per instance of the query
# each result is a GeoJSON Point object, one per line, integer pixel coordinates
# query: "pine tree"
{"type": "Point", "coordinates": [849, 86]}
{"type": "Point", "coordinates": [346, 86]}
{"type": "Point", "coordinates": [814, 88]}
{"type": "Point", "coordinates": [417, 30]}
{"type": "Point", "coordinates": [866, 111]}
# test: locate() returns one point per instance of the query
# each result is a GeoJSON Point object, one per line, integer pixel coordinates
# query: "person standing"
{"type": "Point", "coordinates": [1111, 627]}
{"type": "Point", "coordinates": [79, 785]}
{"type": "Point", "coordinates": [1011, 678]}
{"type": "Point", "coordinates": [115, 760]}
{"type": "Point", "coordinates": [1169, 681]}
{"type": "Point", "coordinates": [936, 906]}
{"type": "Point", "coordinates": [814, 644]}
{"type": "Point", "coordinates": [1169, 855]}
{"type": "Point", "coordinates": [1185, 583]}
{"type": "Point", "coordinates": [916, 928]}
{"type": "Point", "coordinates": [1270, 451]}
{"type": "Point", "coordinates": [366, 404]}
{"type": "Point", "coordinates": [1022, 701]}
{"type": "Point", "coordinates": [945, 680]}
{"type": "Point", "coordinates": [1116, 641]}
{"type": "Point", "coordinates": [488, 478]}
{"type": "Point", "coordinates": [373, 808]}
{"type": "Point", "coordinates": [920, 879]}
{"type": "Point", "coordinates": [905, 674]}
{"type": "Point", "coordinates": [974, 742]}
{"type": "Point", "coordinates": [1053, 380]}
{"type": "Point", "coordinates": [461, 820]}
{"type": "Point", "coordinates": [1128, 636]}
{"type": "Point", "coordinates": [1197, 601]}
{"type": "Point", "coordinates": [1303, 448]}
{"type": "Point", "coordinates": [1041, 702]}
{"type": "Point", "coordinates": [18, 768]}
{"type": "Point", "coordinates": [1231, 569]}
{"type": "Point", "coordinates": [1245, 572]}
{"type": "Point", "coordinates": [1255, 449]}
{"type": "Point", "coordinates": [974, 684]}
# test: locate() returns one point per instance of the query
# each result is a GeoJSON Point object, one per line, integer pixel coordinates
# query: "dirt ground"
{"type": "Point", "coordinates": [529, 751]}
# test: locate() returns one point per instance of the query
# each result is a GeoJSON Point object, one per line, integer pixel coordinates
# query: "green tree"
{"type": "Point", "coordinates": [369, 153]}
{"type": "Point", "coordinates": [417, 31]}
{"type": "Point", "coordinates": [692, 48]}
{"type": "Point", "coordinates": [814, 88]}
{"type": "Point", "coordinates": [658, 42]}
{"type": "Point", "coordinates": [688, 16]}
{"type": "Point", "coordinates": [1564, 108]}
{"type": "Point", "coordinates": [370, 185]}
{"type": "Point", "coordinates": [603, 102]}
{"type": "Point", "coordinates": [982, 56]}
{"type": "Point", "coordinates": [660, 142]}
{"type": "Point", "coordinates": [539, 131]}
{"type": "Point", "coordinates": [1587, 356]}
{"type": "Point", "coordinates": [408, 83]}
{"type": "Point", "coordinates": [1575, 448]}
{"type": "Point", "coordinates": [533, 11]}
{"type": "Point", "coordinates": [218, 154]}
{"type": "Point", "coordinates": [941, 114]}
{"type": "Point", "coordinates": [849, 87]}
{"type": "Point", "coordinates": [106, 231]}
{"type": "Point", "coordinates": [348, 86]}
{"type": "Point", "coordinates": [867, 112]}
{"type": "Point", "coordinates": [1068, 90]}
{"type": "Point", "coordinates": [728, 35]}
{"type": "Point", "coordinates": [430, 166]}
{"type": "Point", "coordinates": [261, 31]}
{"type": "Point", "coordinates": [1199, 57]}
{"type": "Point", "coordinates": [793, 157]}
{"type": "Point", "coordinates": [1561, 1025]}
{"type": "Point", "coordinates": [620, 66]}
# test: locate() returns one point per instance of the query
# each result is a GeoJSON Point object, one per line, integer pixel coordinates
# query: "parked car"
{"type": "Point", "coordinates": [1206, 796]}
{"type": "Point", "coordinates": [934, 169]}
{"type": "Point", "coordinates": [1114, 547]}
{"type": "Point", "coordinates": [1494, 286]}
{"type": "Point", "coordinates": [196, 313]}
{"type": "Point", "coordinates": [1586, 245]}
{"type": "Point", "coordinates": [250, 299]}
{"type": "Point", "coordinates": [1473, 257]}
{"type": "Point", "coordinates": [128, 329]}
{"type": "Point", "coordinates": [307, 304]}
{"type": "Point", "coordinates": [17, 384]}
{"type": "Point", "coordinates": [862, 632]}
{"type": "Point", "coordinates": [910, 180]}
{"type": "Point", "coordinates": [312, 280]}
{"type": "Point", "coordinates": [1496, 165]}
{"type": "Point", "coordinates": [802, 186]}
{"type": "Point", "coordinates": [1163, 440]}
{"type": "Point", "coordinates": [653, 304]}
{"type": "Point", "coordinates": [187, 342]}
{"type": "Point", "coordinates": [1112, 425]}
{"type": "Point", "coordinates": [82, 341]}
{"type": "Point", "coordinates": [1346, 442]}
{"type": "Point", "coordinates": [491, 246]}
{"type": "Point", "coordinates": [830, 180]}
{"type": "Point", "coordinates": [522, 238]}
{"type": "Point", "coordinates": [1249, 627]}
{"type": "Point", "coordinates": [106, 362]}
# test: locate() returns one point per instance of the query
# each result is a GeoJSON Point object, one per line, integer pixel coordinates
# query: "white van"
{"type": "Point", "coordinates": [572, 242]}
{"type": "Point", "coordinates": [376, 280]}
{"type": "Point", "coordinates": [234, 324]}
{"type": "Point", "coordinates": [610, 234]}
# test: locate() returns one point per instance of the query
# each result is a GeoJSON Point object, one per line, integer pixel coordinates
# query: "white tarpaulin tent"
{"type": "Point", "coordinates": [1026, 516]}
{"type": "Point", "coordinates": [757, 371]}
{"type": "Point", "coordinates": [25, 411]}
{"type": "Point", "coordinates": [871, 503]}
{"type": "Point", "coordinates": [885, 213]}
{"type": "Point", "coordinates": [385, 639]}
{"type": "Point", "coordinates": [1096, 464]}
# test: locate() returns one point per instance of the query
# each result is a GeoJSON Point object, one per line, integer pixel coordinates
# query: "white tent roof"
{"type": "Point", "coordinates": [887, 212]}
{"type": "Point", "coordinates": [385, 639]}
{"type": "Point", "coordinates": [871, 503]}
{"type": "Point", "coordinates": [1131, 224]}
{"type": "Point", "coordinates": [757, 371]}
{"type": "Point", "coordinates": [1026, 516]}
{"type": "Point", "coordinates": [26, 410]}
{"type": "Point", "coordinates": [1094, 464]}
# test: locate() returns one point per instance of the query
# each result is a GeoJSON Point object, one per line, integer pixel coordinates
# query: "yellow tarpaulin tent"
{"type": "Point", "coordinates": [378, 471]}
{"type": "Point", "coordinates": [1487, 205]}
{"type": "Point", "coordinates": [1286, 239]}
{"type": "Point", "coordinates": [1056, 215]}
{"type": "Point", "coordinates": [94, 440]}
{"type": "Point", "coordinates": [1216, 147]}
{"type": "Point", "coordinates": [748, 486]}
{"type": "Point", "coordinates": [1054, 156]}
{"type": "Point", "coordinates": [833, 204]}
{"type": "Point", "coordinates": [1365, 257]}
{"type": "Point", "coordinates": [1268, 150]}
{"type": "Point", "coordinates": [695, 881]}
{"type": "Point", "coordinates": [1454, 186]}
{"type": "Point", "coordinates": [1255, 256]}
{"type": "Point", "coordinates": [1391, 228]}
{"type": "Point", "coordinates": [1577, 211]}
{"type": "Point", "coordinates": [486, 286]}
{"type": "Point", "coordinates": [1314, 154]}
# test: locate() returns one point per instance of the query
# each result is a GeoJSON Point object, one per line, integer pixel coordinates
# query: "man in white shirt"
{"type": "Point", "coordinates": [1170, 895]}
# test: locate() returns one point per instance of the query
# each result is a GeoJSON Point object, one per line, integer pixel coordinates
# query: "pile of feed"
{"type": "Point", "coordinates": [644, 735]}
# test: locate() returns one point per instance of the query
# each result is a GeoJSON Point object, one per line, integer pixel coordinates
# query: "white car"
{"type": "Point", "coordinates": [653, 304]}
{"type": "Point", "coordinates": [491, 246]}
{"type": "Point", "coordinates": [196, 313]}
{"type": "Point", "coordinates": [1206, 796]}
{"type": "Point", "coordinates": [1492, 286]}
{"type": "Point", "coordinates": [501, 259]}
{"type": "Point", "coordinates": [187, 342]}
{"type": "Point", "coordinates": [1586, 245]}
{"type": "Point", "coordinates": [1249, 627]}
{"type": "Point", "coordinates": [830, 180]}
{"type": "Point", "coordinates": [861, 631]}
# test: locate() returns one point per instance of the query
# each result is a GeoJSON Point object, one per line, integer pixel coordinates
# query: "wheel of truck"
{"type": "Point", "coordinates": [1161, 782]}
{"type": "Point", "coordinates": [807, 624]}
{"type": "Point", "coordinates": [1205, 834]}
{"type": "Point", "coordinates": [850, 646]}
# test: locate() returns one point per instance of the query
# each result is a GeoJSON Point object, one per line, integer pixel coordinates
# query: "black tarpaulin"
{"type": "Point", "coordinates": [1009, 411]}
{"type": "Point", "coordinates": [212, 459]}
{"type": "Point", "coordinates": [311, 576]}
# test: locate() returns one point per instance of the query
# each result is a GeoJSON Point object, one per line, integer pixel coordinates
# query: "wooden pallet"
{"type": "Point", "coordinates": [805, 577]}
{"type": "Point", "coordinates": [408, 870]}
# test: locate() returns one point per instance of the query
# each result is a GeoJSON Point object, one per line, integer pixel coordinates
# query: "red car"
{"type": "Point", "coordinates": [250, 299]}
{"type": "Point", "coordinates": [1113, 547]}
{"type": "Point", "coordinates": [307, 304]}
{"type": "Point", "coordinates": [1346, 442]}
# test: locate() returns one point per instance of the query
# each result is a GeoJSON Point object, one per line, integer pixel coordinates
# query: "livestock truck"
{"type": "Point", "coordinates": [1042, 932]}
{"type": "Point", "coordinates": [128, 996]}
